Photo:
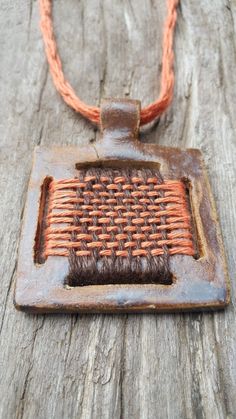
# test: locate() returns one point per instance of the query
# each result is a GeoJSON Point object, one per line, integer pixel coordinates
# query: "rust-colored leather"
{"type": "Point", "coordinates": [199, 284]}
{"type": "Point", "coordinates": [120, 120]}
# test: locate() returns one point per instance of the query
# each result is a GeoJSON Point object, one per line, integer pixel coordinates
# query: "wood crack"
{"type": "Point", "coordinates": [122, 369]}
{"type": "Point", "coordinates": [7, 296]}
{"type": "Point", "coordinates": [27, 377]}
{"type": "Point", "coordinates": [43, 85]}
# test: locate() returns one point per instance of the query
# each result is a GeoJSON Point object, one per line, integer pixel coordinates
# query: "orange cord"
{"type": "Point", "coordinates": [149, 113]}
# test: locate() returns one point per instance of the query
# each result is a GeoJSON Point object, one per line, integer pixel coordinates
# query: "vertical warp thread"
{"type": "Point", "coordinates": [94, 269]}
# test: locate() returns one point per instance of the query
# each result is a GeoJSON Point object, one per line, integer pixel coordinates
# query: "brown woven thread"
{"type": "Point", "coordinates": [118, 225]}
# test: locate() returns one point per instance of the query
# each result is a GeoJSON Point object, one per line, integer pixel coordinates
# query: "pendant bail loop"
{"type": "Point", "coordinates": [120, 120]}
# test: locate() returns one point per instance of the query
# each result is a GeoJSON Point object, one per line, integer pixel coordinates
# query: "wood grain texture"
{"type": "Point", "coordinates": [134, 366]}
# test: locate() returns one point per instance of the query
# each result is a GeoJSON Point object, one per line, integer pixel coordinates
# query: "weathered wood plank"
{"type": "Point", "coordinates": [175, 366]}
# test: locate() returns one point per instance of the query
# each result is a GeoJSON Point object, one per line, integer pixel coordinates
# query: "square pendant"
{"type": "Point", "coordinates": [102, 232]}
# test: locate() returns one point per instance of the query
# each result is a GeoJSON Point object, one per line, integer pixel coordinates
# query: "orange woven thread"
{"type": "Point", "coordinates": [92, 113]}
{"type": "Point", "coordinates": [129, 228]}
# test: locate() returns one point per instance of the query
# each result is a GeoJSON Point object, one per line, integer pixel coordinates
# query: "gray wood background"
{"type": "Point", "coordinates": [124, 366]}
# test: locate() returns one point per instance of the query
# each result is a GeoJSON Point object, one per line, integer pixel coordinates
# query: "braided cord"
{"type": "Point", "coordinates": [92, 113]}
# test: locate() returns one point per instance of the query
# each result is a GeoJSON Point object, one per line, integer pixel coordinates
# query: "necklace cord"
{"type": "Point", "coordinates": [149, 113]}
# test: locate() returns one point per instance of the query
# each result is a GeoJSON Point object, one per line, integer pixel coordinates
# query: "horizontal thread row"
{"type": "Point", "coordinates": [123, 253]}
{"type": "Point", "coordinates": [103, 207]}
{"type": "Point", "coordinates": [120, 236]}
{"type": "Point", "coordinates": [116, 244]}
{"type": "Point", "coordinates": [175, 210]}
{"type": "Point", "coordinates": [112, 186]}
{"type": "Point", "coordinates": [107, 220]}
{"type": "Point", "coordinates": [169, 191]}
{"type": "Point", "coordinates": [68, 183]}
{"type": "Point", "coordinates": [72, 228]}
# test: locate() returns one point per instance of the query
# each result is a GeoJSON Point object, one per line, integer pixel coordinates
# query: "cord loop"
{"type": "Point", "coordinates": [92, 113]}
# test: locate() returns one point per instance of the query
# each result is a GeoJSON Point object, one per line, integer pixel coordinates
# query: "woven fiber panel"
{"type": "Point", "coordinates": [118, 225]}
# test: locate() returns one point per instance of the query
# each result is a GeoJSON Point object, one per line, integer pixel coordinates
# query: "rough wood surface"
{"type": "Point", "coordinates": [126, 366]}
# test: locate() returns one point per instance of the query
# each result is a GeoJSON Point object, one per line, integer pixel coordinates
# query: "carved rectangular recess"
{"type": "Point", "coordinates": [197, 278]}
{"type": "Point", "coordinates": [114, 225]}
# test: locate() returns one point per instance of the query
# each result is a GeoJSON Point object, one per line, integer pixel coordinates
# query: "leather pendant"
{"type": "Point", "coordinates": [120, 226]}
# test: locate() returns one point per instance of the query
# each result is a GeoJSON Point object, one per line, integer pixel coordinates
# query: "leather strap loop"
{"type": "Point", "coordinates": [120, 119]}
